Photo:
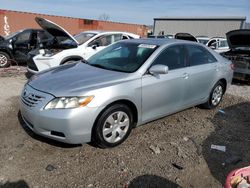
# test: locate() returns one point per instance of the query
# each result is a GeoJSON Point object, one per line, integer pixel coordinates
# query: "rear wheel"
{"type": "Point", "coordinates": [215, 96]}
{"type": "Point", "coordinates": [4, 60]}
{"type": "Point", "coordinates": [113, 126]}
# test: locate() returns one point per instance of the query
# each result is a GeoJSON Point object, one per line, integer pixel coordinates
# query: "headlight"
{"type": "Point", "coordinates": [68, 102]}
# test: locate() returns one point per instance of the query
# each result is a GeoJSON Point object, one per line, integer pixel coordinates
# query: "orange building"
{"type": "Point", "coordinates": [12, 21]}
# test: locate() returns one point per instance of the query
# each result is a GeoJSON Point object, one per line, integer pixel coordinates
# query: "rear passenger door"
{"type": "Point", "coordinates": [201, 73]}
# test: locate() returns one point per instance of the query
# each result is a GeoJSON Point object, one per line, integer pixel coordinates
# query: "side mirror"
{"type": "Point", "coordinates": [158, 69]}
{"type": "Point", "coordinates": [94, 46]}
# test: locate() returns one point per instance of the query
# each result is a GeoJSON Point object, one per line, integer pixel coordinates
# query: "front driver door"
{"type": "Point", "coordinates": [163, 94]}
{"type": "Point", "coordinates": [21, 45]}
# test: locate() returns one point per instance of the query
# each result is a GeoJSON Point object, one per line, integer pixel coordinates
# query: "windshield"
{"type": "Point", "coordinates": [122, 56]}
{"type": "Point", "coordinates": [203, 41]}
{"type": "Point", "coordinates": [83, 37]}
{"type": "Point", "coordinates": [12, 35]}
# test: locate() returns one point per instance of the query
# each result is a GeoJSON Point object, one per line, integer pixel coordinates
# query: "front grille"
{"type": "Point", "coordinates": [31, 99]}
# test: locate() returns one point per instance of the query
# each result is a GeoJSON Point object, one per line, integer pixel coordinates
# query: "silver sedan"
{"type": "Point", "coordinates": [123, 86]}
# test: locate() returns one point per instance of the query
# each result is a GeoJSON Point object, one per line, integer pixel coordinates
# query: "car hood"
{"type": "Point", "coordinates": [74, 79]}
{"type": "Point", "coordinates": [238, 38]}
{"type": "Point", "coordinates": [55, 30]}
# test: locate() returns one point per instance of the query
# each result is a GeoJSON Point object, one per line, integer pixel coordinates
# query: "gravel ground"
{"type": "Point", "coordinates": [171, 152]}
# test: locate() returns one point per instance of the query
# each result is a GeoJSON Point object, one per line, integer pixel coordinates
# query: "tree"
{"type": "Point", "coordinates": [104, 17]}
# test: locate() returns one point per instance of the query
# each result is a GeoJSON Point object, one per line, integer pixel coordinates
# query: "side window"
{"type": "Point", "coordinates": [125, 37]}
{"type": "Point", "coordinates": [172, 56]}
{"type": "Point", "coordinates": [117, 37]}
{"type": "Point", "coordinates": [197, 55]}
{"type": "Point", "coordinates": [223, 44]}
{"type": "Point", "coordinates": [102, 41]}
{"type": "Point", "coordinates": [211, 43]}
{"type": "Point", "coordinates": [23, 37]}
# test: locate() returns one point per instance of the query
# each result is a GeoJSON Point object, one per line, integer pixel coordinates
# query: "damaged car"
{"type": "Point", "coordinates": [67, 48]}
{"type": "Point", "coordinates": [16, 46]}
{"type": "Point", "coordinates": [239, 53]}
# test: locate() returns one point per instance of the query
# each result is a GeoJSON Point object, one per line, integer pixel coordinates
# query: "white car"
{"type": "Point", "coordinates": [67, 48]}
{"type": "Point", "coordinates": [218, 44]}
{"type": "Point", "coordinates": [202, 39]}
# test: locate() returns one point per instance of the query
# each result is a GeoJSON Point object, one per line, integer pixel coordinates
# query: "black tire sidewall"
{"type": "Point", "coordinates": [8, 60]}
{"type": "Point", "coordinates": [97, 132]}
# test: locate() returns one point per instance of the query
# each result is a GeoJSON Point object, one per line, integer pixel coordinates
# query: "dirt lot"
{"type": "Point", "coordinates": [171, 152]}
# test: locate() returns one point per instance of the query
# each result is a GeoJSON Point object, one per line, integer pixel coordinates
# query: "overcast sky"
{"type": "Point", "coordinates": [132, 11]}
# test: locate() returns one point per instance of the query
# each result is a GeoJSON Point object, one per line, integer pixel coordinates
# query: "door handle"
{"type": "Point", "coordinates": [185, 75]}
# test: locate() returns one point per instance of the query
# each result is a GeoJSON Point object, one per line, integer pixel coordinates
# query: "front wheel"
{"type": "Point", "coordinates": [4, 60]}
{"type": "Point", "coordinates": [113, 126]}
{"type": "Point", "coordinates": [215, 96]}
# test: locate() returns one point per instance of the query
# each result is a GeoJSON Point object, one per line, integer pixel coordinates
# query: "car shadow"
{"type": "Point", "coordinates": [43, 139]}
{"type": "Point", "coordinates": [232, 130]}
{"type": "Point", "coordinates": [151, 181]}
{"type": "Point", "coordinates": [18, 184]}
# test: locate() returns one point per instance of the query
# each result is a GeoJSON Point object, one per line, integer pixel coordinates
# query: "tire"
{"type": "Point", "coordinates": [109, 131]}
{"type": "Point", "coordinates": [4, 60]}
{"type": "Point", "coordinates": [215, 96]}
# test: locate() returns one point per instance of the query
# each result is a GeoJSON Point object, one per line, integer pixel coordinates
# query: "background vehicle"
{"type": "Point", "coordinates": [218, 44]}
{"type": "Point", "coordinates": [17, 45]}
{"type": "Point", "coordinates": [158, 36]}
{"type": "Point", "coordinates": [128, 83]}
{"type": "Point", "coordinates": [202, 39]}
{"type": "Point", "coordinates": [239, 53]}
{"type": "Point", "coordinates": [185, 36]}
{"type": "Point", "coordinates": [67, 48]}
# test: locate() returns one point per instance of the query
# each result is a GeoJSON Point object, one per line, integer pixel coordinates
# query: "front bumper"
{"type": "Point", "coordinates": [73, 126]}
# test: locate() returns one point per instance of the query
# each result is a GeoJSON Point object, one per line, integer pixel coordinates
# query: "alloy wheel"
{"type": "Point", "coordinates": [3, 60]}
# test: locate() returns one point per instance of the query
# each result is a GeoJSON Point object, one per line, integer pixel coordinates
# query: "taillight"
{"type": "Point", "coordinates": [232, 66]}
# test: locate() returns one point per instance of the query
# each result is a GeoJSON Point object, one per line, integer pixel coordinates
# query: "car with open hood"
{"type": "Point", "coordinates": [218, 44]}
{"type": "Point", "coordinates": [67, 48]}
{"type": "Point", "coordinates": [16, 46]}
{"type": "Point", "coordinates": [239, 53]}
{"type": "Point", "coordinates": [127, 84]}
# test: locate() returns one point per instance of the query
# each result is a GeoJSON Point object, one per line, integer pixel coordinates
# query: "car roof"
{"type": "Point", "coordinates": [99, 31]}
{"type": "Point", "coordinates": [158, 41]}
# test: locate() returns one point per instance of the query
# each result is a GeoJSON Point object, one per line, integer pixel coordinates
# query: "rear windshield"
{"type": "Point", "coordinates": [122, 56]}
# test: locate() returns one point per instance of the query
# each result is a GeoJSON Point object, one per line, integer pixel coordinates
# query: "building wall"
{"type": "Point", "coordinates": [12, 21]}
{"type": "Point", "coordinates": [210, 28]}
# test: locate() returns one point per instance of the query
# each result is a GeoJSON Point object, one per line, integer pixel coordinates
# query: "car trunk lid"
{"type": "Point", "coordinates": [238, 38]}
